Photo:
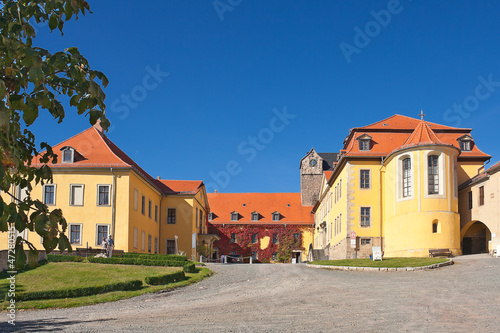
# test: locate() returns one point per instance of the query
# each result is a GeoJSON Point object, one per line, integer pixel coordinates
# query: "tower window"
{"type": "Point", "coordinates": [433, 173]}
{"type": "Point", "coordinates": [364, 176]}
{"type": "Point", "coordinates": [434, 228]}
{"type": "Point", "coordinates": [406, 177]}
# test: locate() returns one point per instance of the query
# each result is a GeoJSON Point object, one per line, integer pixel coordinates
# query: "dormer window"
{"type": "Point", "coordinates": [210, 216]}
{"type": "Point", "coordinates": [255, 217]}
{"type": "Point", "coordinates": [234, 216]}
{"type": "Point", "coordinates": [465, 142]}
{"type": "Point", "coordinates": [364, 142]}
{"type": "Point", "coordinates": [68, 155]}
{"type": "Point", "coordinates": [276, 216]}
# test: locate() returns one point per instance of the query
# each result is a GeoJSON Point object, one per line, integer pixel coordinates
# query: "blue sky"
{"type": "Point", "coordinates": [291, 75]}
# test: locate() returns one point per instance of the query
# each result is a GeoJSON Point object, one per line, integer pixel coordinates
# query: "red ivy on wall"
{"type": "Point", "coordinates": [243, 241]}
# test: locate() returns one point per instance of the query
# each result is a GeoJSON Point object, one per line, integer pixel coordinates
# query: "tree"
{"type": "Point", "coordinates": [287, 244]}
{"type": "Point", "coordinates": [31, 79]}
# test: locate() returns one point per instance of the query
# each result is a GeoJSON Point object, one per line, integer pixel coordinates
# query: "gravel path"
{"type": "Point", "coordinates": [464, 297]}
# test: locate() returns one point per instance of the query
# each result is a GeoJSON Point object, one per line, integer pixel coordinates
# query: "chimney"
{"type": "Point", "coordinates": [215, 191]}
{"type": "Point", "coordinates": [158, 177]}
{"type": "Point", "coordinates": [97, 125]}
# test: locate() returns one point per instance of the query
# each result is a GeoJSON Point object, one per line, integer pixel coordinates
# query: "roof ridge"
{"type": "Point", "coordinates": [104, 137]}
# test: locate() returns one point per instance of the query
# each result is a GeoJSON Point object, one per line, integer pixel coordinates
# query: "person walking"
{"type": "Point", "coordinates": [111, 245]}
{"type": "Point", "coordinates": [104, 246]}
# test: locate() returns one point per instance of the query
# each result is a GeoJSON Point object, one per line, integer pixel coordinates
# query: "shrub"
{"type": "Point", "coordinates": [189, 268]}
{"type": "Point", "coordinates": [165, 279]}
{"type": "Point", "coordinates": [61, 258]}
{"type": "Point", "coordinates": [152, 256]}
{"type": "Point", "coordinates": [78, 292]}
{"type": "Point", "coordinates": [136, 261]}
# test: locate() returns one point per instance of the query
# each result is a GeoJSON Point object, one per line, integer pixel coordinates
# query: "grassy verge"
{"type": "Point", "coordinates": [66, 275]}
{"type": "Point", "coordinates": [387, 262]}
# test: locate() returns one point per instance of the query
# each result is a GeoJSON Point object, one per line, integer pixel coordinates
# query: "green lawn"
{"type": "Point", "coordinates": [387, 262]}
{"type": "Point", "coordinates": [61, 275]}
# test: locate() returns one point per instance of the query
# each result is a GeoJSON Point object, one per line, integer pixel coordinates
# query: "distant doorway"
{"type": "Point", "coordinates": [476, 239]}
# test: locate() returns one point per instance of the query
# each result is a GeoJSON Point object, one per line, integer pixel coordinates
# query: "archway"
{"type": "Point", "coordinates": [475, 238]}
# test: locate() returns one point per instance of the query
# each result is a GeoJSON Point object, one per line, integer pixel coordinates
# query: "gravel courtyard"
{"type": "Point", "coordinates": [464, 297]}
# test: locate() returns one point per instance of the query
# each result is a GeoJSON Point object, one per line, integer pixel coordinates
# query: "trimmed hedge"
{"type": "Point", "coordinates": [152, 256]}
{"type": "Point", "coordinates": [134, 261]}
{"type": "Point", "coordinates": [62, 258]}
{"type": "Point", "coordinates": [165, 279]}
{"type": "Point", "coordinates": [78, 292]}
{"type": "Point", "coordinates": [189, 268]}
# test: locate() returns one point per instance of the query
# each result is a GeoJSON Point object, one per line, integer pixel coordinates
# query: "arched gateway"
{"type": "Point", "coordinates": [475, 237]}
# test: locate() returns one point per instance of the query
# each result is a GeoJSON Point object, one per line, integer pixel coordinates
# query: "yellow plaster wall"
{"type": "Point", "coordinates": [183, 228]}
{"type": "Point", "coordinates": [142, 222]}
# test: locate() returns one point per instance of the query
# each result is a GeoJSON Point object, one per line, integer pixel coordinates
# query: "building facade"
{"type": "Point", "coordinates": [395, 185]}
{"type": "Point", "coordinates": [479, 211]}
{"type": "Point", "coordinates": [261, 225]}
{"type": "Point", "coordinates": [102, 192]}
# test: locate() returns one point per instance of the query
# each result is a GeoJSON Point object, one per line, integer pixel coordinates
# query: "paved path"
{"type": "Point", "coordinates": [464, 297]}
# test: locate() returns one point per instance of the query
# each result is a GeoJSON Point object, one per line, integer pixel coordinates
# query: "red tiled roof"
{"type": "Point", "coordinates": [422, 135]}
{"type": "Point", "coordinates": [400, 131]}
{"type": "Point", "coordinates": [328, 174]}
{"type": "Point", "coordinates": [95, 150]}
{"type": "Point", "coordinates": [180, 186]}
{"type": "Point", "coordinates": [401, 122]}
{"type": "Point", "coordinates": [287, 204]}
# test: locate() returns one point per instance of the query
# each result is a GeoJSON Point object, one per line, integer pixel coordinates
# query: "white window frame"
{"type": "Point", "coordinates": [252, 217]}
{"type": "Point", "coordinates": [97, 232]}
{"type": "Point", "coordinates": [143, 240]}
{"type": "Point", "coordinates": [369, 179]}
{"type": "Point", "coordinates": [143, 205]}
{"type": "Point", "coordinates": [81, 232]}
{"type": "Point", "coordinates": [234, 214]}
{"type": "Point", "coordinates": [71, 194]}
{"type": "Point", "coordinates": [210, 216]}
{"type": "Point", "coordinates": [136, 238]}
{"type": "Point", "coordinates": [136, 199]}
{"type": "Point", "coordinates": [399, 177]}
{"type": "Point", "coordinates": [110, 197]}
{"type": "Point", "coordinates": [441, 174]}
{"type": "Point", "coordinates": [276, 217]}
{"type": "Point", "coordinates": [72, 159]}
{"type": "Point", "coordinates": [55, 194]}
{"type": "Point", "coordinates": [371, 217]}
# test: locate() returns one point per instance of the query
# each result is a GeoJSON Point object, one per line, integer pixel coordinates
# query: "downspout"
{"type": "Point", "coordinates": [380, 202]}
{"type": "Point", "coordinates": [113, 204]}
{"type": "Point", "coordinates": [159, 225]}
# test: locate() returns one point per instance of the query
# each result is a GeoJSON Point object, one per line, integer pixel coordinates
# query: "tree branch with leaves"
{"type": "Point", "coordinates": [33, 79]}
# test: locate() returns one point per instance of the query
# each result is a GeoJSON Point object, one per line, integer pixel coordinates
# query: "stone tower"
{"type": "Point", "coordinates": [311, 173]}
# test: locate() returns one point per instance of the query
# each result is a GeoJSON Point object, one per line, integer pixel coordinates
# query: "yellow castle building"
{"type": "Point", "coordinates": [102, 192]}
{"type": "Point", "coordinates": [395, 185]}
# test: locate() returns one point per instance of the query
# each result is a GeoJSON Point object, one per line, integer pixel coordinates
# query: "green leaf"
{"type": "Point", "coordinates": [40, 222]}
{"type": "Point", "coordinates": [20, 260]}
{"type": "Point", "coordinates": [53, 22]}
{"type": "Point", "coordinates": [33, 258]}
{"type": "Point", "coordinates": [64, 243]}
{"type": "Point", "coordinates": [30, 114]}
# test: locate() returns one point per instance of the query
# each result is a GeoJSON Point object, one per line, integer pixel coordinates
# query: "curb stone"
{"type": "Point", "coordinates": [383, 269]}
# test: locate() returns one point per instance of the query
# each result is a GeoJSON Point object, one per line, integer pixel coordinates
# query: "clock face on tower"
{"type": "Point", "coordinates": [313, 163]}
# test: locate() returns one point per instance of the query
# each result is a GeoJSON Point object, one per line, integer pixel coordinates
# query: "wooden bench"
{"type": "Point", "coordinates": [440, 253]}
